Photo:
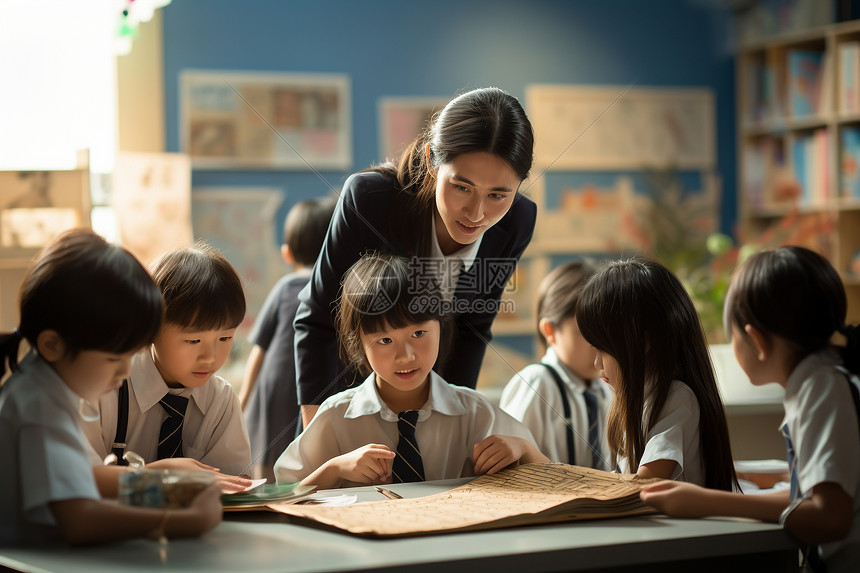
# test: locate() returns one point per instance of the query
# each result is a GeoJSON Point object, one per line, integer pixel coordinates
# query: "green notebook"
{"type": "Point", "coordinates": [260, 497]}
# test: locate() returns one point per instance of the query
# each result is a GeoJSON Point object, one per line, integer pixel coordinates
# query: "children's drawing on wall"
{"type": "Point", "coordinates": [652, 211]}
{"type": "Point", "coordinates": [265, 120]}
{"type": "Point", "coordinates": [591, 218]}
{"type": "Point", "coordinates": [152, 202]}
{"type": "Point", "coordinates": [615, 127]}
{"type": "Point", "coordinates": [240, 224]}
{"type": "Point", "coordinates": [517, 306]}
{"type": "Point", "coordinates": [35, 206]}
{"type": "Point", "coordinates": [401, 120]}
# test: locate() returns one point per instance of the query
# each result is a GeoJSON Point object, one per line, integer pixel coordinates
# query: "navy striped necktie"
{"type": "Point", "coordinates": [591, 407]}
{"type": "Point", "coordinates": [170, 437]}
{"type": "Point", "coordinates": [407, 466]}
{"type": "Point", "coordinates": [792, 463]}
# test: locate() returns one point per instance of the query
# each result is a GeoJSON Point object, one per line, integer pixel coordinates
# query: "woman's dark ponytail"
{"type": "Point", "coordinates": [851, 352]}
{"type": "Point", "coordinates": [10, 344]}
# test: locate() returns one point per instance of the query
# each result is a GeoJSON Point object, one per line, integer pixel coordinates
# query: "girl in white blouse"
{"type": "Point", "coordinates": [391, 322]}
{"type": "Point", "coordinates": [666, 419]}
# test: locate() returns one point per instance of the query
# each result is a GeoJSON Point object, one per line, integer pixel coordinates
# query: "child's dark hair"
{"type": "Point", "coordinates": [305, 228]}
{"type": "Point", "coordinates": [638, 312]}
{"type": "Point", "coordinates": [559, 292]}
{"type": "Point", "coordinates": [796, 294]}
{"type": "Point", "coordinates": [201, 289]}
{"type": "Point", "coordinates": [97, 296]}
{"type": "Point", "coordinates": [381, 291]}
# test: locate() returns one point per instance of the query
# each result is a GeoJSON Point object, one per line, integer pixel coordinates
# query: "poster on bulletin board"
{"type": "Point", "coordinates": [262, 120]}
{"type": "Point", "coordinates": [152, 202]}
{"type": "Point", "coordinates": [401, 120]}
{"type": "Point", "coordinates": [585, 127]}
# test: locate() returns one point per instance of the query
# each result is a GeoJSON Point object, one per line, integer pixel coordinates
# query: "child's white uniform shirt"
{"type": "Point", "coordinates": [43, 449]}
{"type": "Point", "coordinates": [532, 397]}
{"type": "Point", "coordinates": [214, 430]}
{"type": "Point", "coordinates": [675, 436]}
{"type": "Point", "coordinates": [825, 434]}
{"type": "Point", "coordinates": [450, 423]}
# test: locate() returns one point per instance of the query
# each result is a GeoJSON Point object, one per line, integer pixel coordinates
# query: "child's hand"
{"type": "Point", "coordinates": [368, 464]}
{"type": "Point", "coordinates": [675, 498]}
{"type": "Point", "coordinates": [181, 464]}
{"type": "Point", "coordinates": [232, 484]}
{"type": "Point", "coordinates": [205, 511]}
{"type": "Point", "coordinates": [495, 453]}
{"type": "Point", "coordinates": [227, 483]}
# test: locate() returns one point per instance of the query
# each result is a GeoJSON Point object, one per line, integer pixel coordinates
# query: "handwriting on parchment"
{"type": "Point", "coordinates": [532, 493]}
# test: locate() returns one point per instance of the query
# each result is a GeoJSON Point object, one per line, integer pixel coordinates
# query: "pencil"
{"type": "Point", "coordinates": [387, 493]}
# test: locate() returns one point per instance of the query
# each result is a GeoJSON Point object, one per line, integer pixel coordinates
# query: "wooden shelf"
{"type": "Point", "coordinates": [778, 153]}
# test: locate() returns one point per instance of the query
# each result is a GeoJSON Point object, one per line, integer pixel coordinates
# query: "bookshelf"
{"type": "Point", "coordinates": [799, 143]}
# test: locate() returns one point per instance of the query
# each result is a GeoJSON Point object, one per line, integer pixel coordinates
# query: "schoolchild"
{"type": "Point", "coordinates": [561, 399]}
{"type": "Point", "coordinates": [268, 392]}
{"type": "Point", "coordinates": [666, 419]}
{"type": "Point", "coordinates": [85, 308]}
{"type": "Point", "coordinates": [174, 406]}
{"type": "Point", "coordinates": [404, 422]}
{"type": "Point", "coordinates": [783, 309]}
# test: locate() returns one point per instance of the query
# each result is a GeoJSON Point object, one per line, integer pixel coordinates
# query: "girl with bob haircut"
{"type": "Point", "coordinates": [782, 310]}
{"type": "Point", "coordinates": [666, 419]}
{"type": "Point", "coordinates": [453, 202]}
{"type": "Point", "coordinates": [405, 422]}
{"type": "Point", "coordinates": [86, 308]}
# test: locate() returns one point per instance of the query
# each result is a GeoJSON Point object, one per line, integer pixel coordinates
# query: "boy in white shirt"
{"type": "Point", "coordinates": [404, 423]}
{"type": "Point", "coordinates": [203, 305]}
{"type": "Point", "coordinates": [561, 399]}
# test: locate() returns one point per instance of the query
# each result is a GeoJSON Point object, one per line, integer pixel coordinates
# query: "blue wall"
{"type": "Point", "coordinates": [439, 48]}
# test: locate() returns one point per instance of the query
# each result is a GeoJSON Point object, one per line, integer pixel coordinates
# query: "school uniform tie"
{"type": "Point", "coordinates": [591, 408]}
{"type": "Point", "coordinates": [792, 461]}
{"type": "Point", "coordinates": [170, 437]}
{"type": "Point", "coordinates": [407, 466]}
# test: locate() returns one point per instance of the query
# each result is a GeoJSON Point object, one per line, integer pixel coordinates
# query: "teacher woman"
{"type": "Point", "coordinates": [452, 205]}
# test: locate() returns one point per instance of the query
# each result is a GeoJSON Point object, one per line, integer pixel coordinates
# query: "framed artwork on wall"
{"type": "Point", "coordinates": [401, 119]}
{"type": "Point", "coordinates": [36, 206]}
{"type": "Point", "coordinates": [596, 128]}
{"type": "Point", "coordinates": [239, 221]}
{"type": "Point", "coordinates": [151, 198]}
{"type": "Point", "coordinates": [230, 120]}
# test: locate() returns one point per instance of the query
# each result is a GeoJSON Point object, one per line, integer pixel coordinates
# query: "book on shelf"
{"type": "Point", "coordinates": [805, 82]}
{"type": "Point", "coordinates": [849, 77]}
{"type": "Point", "coordinates": [757, 172]}
{"type": "Point", "coordinates": [849, 164]}
{"type": "Point", "coordinates": [762, 94]}
{"type": "Point", "coordinates": [809, 163]}
{"type": "Point", "coordinates": [768, 180]}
